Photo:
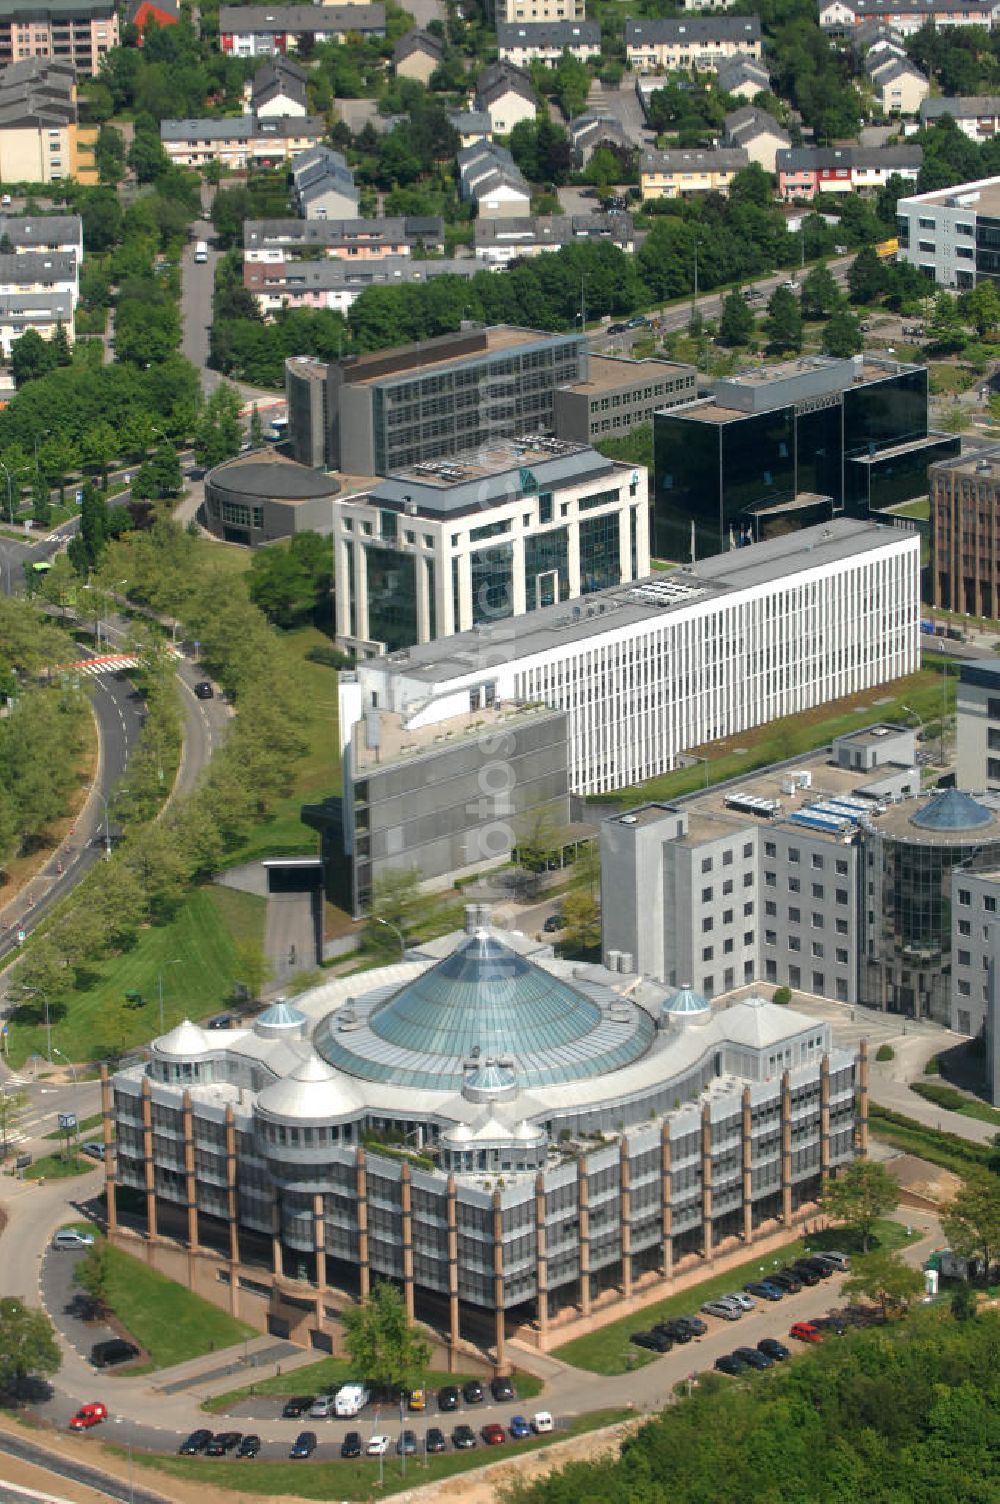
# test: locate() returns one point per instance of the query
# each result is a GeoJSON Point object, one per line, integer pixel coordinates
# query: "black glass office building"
{"type": "Point", "coordinates": [819, 439]}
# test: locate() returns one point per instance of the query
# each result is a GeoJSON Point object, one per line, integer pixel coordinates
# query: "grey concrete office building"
{"type": "Point", "coordinates": [373, 414]}
{"type": "Point", "coordinates": [260, 496]}
{"type": "Point", "coordinates": [583, 1133]}
{"type": "Point", "coordinates": [978, 729]}
{"type": "Point", "coordinates": [619, 394]}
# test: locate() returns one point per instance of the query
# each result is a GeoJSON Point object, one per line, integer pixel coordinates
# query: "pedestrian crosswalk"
{"type": "Point", "coordinates": [109, 663]}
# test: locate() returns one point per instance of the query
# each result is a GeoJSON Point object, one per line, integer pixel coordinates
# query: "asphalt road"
{"type": "Point", "coordinates": [197, 282]}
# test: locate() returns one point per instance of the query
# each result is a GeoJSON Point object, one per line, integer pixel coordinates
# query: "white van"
{"type": "Point", "coordinates": [542, 1422]}
{"type": "Point", "coordinates": [351, 1399]}
{"type": "Point", "coordinates": [201, 250]}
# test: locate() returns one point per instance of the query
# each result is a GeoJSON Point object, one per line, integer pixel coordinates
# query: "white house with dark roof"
{"type": "Point", "coordinates": [490, 177]}
{"type": "Point", "coordinates": [527, 42]}
{"type": "Point", "coordinates": [699, 42]}
{"type": "Point", "coordinates": [323, 185]}
{"type": "Point", "coordinates": [507, 95]}
{"type": "Point", "coordinates": [758, 133]}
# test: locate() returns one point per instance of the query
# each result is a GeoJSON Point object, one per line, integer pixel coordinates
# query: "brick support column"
{"type": "Point", "coordinates": [232, 1210]}
{"type": "Point", "coordinates": [583, 1214]}
{"type": "Point", "coordinates": [863, 1100]}
{"type": "Point", "coordinates": [190, 1183]}
{"type": "Point", "coordinates": [364, 1268]}
{"type": "Point", "coordinates": [277, 1254]}
{"type": "Point", "coordinates": [146, 1105]}
{"type": "Point", "coordinates": [541, 1260]}
{"type": "Point", "coordinates": [786, 1150]}
{"type": "Point", "coordinates": [746, 1165]}
{"type": "Point", "coordinates": [498, 1291]}
{"type": "Point", "coordinates": [625, 1215]}
{"type": "Point", "coordinates": [454, 1328]}
{"type": "Point", "coordinates": [107, 1123]}
{"type": "Point", "coordinates": [666, 1203]}
{"type": "Point", "coordinates": [706, 1181]}
{"type": "Point", "coordinates": [406, 1203]}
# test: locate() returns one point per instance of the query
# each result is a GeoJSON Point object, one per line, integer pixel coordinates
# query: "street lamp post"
{"type": "Point", "coordinates": [72, 1067]}
{"type": "Point", "coordinates": [396, 931]}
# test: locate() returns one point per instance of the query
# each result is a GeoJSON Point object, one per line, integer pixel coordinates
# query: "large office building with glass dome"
{"type": "Point", "coordinates": [508, 1135]}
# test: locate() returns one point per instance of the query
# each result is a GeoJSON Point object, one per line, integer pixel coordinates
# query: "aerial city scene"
{"type": "Point", "coordinates": [500, 751]}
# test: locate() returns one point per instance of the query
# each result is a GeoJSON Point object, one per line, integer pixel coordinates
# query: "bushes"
{"type": "Point", "coordinates": [885, 1052]}
{"type": "Point", "coordinates": [933, 1067]}
{"type": "Point", "coordinates": [782, 996]}
{"type": "Point", "coordinates": [942, 1096]}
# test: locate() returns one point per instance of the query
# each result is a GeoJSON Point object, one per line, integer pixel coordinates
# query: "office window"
{"type": "Point", "coordinates": [707, 925]}
{"type": "Point", "coordinates": [794, 942]}
{"type": "Point", "coordinates": [794, 976]}
{"type": "Point", "coordinates": [840, 867]}
{"type": "Point", "coordinates": [770, 971]}
{"type": "Point", "coordinates": [546, 568]}
{"type": "Point", "coordinates": [727, 916]}
{"type": "Point", "coordinates": [708, 953]}
{"type": "Point", "coordinates": [964, 958]}
{"type": "Point", "coordinates": [794, 886]}
{"type": "Point", "coordinates": [728, 978]}
{"type": "Point", "coordinates": [817, 890]}
{"type": "Point", "coordinates": [990, 904]}
{"type": "Point", "coordinates": [793, 854]}
{"type": "Point", "coordinates": [817, 921]}
{"type": "Point", "coordinates": [492, 584]}
{"type": "Point", "coordinates": [964, 927]}
{"type": "Point", "coordinates": [727, 858]}
{"type": "Point", "coordinates": [841, 926]}
{"type": "Point", "coordinates": [770, 937]}
{"type": "Point", "coordinates": [747, 910]}
{"type": "Point", "coordinates": [727, 887]}
{"type": "Point", "coordinates": [964, 989]}
{"type": "Point", "coordinates": [600, 560]}
{"type": "Point", "coordinates": [706, 864]}
{"type": "Point", "coordinates": [727, 947]}
{"type": "Point", "coordinates": [748, 849]}
{"type": "Point", "coordinates": [794, 916]}
{"type": "Point", "coordinates": [708, 985]}
{"type": "Point", "coordinates": [771, 909]}
{"type": "Point", "coordinates": [770, 849]}
{"type": "Point", "coordinates": [964, 897]}
{"type": "Point", "coordinates": [841, 895]}
{"type": "Point", "coordinates": [819, 982]}
{"type": "Point", "coordinates": [706, 895]}
{"type": "Point", "coordinates": [748, 937]}
{"type": "Point", "coordinates": [817, 949]}
{"type": "Point", "coordinates": [817, 861]}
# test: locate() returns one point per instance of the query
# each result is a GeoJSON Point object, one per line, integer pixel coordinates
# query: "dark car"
{"type": "Point", "coordinates": [116, 1350]}
{"type": "Point", "coordinates": [617, 328]}
{"type": "Point", "coordinates": [407, 1444]}
{"type": "Point", "coordinates": [448, 1398]}
{"type": "Point", "coordinates": [223, 1442]}
{"type": "Point", "coordinates": [436, 1439]}
{"type": "Point", "coordinates": [472, 1392]}
{"type": "Point", "coordinates": [773, 1349]}
{"type": "Point", "coordinates": [729, 1363]}
{"type": "Point", "coordinates": [196, 1442]}
{"type": "Point", "coordinates": [221, 1021]}
{"type": "Point", "coordinates": [818, 1266]}
{"type": "Point", "coordinates": [764, 1290]}
{"type": "Point", "coordinates": [304, 1444]}
{"type": "Point", "coordinates": [297, 1405]}
{"type": "Point", "coordinates": [654, 1342]}
{"type": "Point", "coordinates": [834, 1326]}
{"type": "Point", "coordinates": [204, 690]}
{"type": "Point", "coordinates": [807, 1276]}
{"type": "Point", "coordinates": [553, 923]}
{"type": "Point", "coordinates": [249, 1446]}
{"type": "Point", "coordinates": [502, 1389]}
{"type": "Point", "coordinates": [677, 1330]}
{"type": "Point", "coordinates": [352, 1445]}
{"type": "Point", "coordinates": [786, 1279]}
{"type": "Point", "coordinates": [753, 1357]}
{"type": "Point", "coordinates": [694, 1325]}
{"type": "Point", "coordinates": [640, 320]}
{"type": "Point", "coordinates": [463, 1437]}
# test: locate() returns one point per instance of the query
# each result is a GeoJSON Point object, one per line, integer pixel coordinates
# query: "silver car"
{"type": "Point", "coordinates": [838, 1261]}
{"type": "Point", "coordinates": [737, 1298]}
{"type": "Point", "coordinates": [722, 1309]}
{"type": "Point", "coordinates": [322, 1407]}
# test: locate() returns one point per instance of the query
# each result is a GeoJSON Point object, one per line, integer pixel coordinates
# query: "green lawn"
{"type": "Point", "coordinates": [793, 736]}
{"type": "Point", "coordinates": [608, 1349]}
{"type": "Point", "coordinates": [952, 1100]}
{"type": "Point", "coordinates": [317, 774]}
{"type": "Point", "coordinates": [328, 1373]}
{"type": "Point", "coordinates": [164, 1318]}
{"type": "Point", "coordinates": [84, 1126]}
{"type": "Point", "coordinates": [224, 556]}
{"type": "Point", "coordinates": [920, 508]}
{"type": "Point", "coordinates": [946, 1149]}
{"type": "Point", "coordinates": [355, 1480]}
{"type": "Point", "coordinates": [58, 1167]}
{"type": "Point", "coordinates": [201, 937]}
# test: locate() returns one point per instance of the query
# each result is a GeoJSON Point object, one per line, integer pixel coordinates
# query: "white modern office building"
{"type": "Point", "coordinates": [461, 544]}
{"type": "Point", "coordinates": [649, 669]}
{"type": "Point", "coordinates": [953, 234]}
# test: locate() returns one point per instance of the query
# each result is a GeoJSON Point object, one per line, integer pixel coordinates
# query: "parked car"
{"type": "Point", "coordinates": [764, 1290]}
{"type": "Point", "coordinates": [816, 1265]}
{"type": "Point", "coordinates": [378, 1444]}
{"type": "Point", "coordinates": [493, 1434]}
{"type": "Point", "coordinates": [542, 1423]}
{"type": "Point", "coordinates": [69, 1238]}
{"type": "Point", "coordinates": [304, 1445]}
{"type": "Point", "coordinates": [694, 1324]}
{"type": "Point", "coordinates": [93, 1149]}
{"type": "Point", "coordinates": [617, 328]}
{"type": "Point", "coordinates": [321, 1407]}
{"type": "Point", "coordinates": [472, 1392]}
{"type": "Point", "coordinates": [722, 1309]}
{"type": "Point", "coordinates": [89, 1415]}
{"type": "Point", "coordinates": [737, 1298]}
{"type": "Point", "coordinates": [436, 1440]}
{"type": "Point", "coordinates": [806, 1276]}
{"type": "Point", "coordinates": [785, 1279]}
{"type": "Point", "coordinates": [249, 1446]}
{"type": "Point", "coordinates": [839, 1261]}
{"type": "Point", "coordinates": [417, 1399]}
{"type": "Point", "coordinates": [753, 1357]}
{"type": "Point", "coordinates": [831, 1326]}
{"type": "Point", "coordinates": [654, 1342]}
{"type": "Point", "coordinates": [297, 1405]}
{"type": "Point", "coordinates": [448, 1398]}
{"type": "Point", "coordinates": [773, 1349]}
{"type": "Point", "coordinates": [502, 1389]}
{"type": "Point", "coordinates": [463, 1438]}
{"type": "Point", "coordinates": [677, 1330]}
{"type": "Point", "coordinates": [223, 1442]}
{"type": "Point", "coordinates": [553, 923]}
{"type": "Point", "coordinates": [195, 1443]}
{"type": "Point", "coordinates": [639, 320]}
{"type": "Point", "coordinates": [352, 1445]}
{"type": "Point", "coordinates": [204, 690]}
{"type": "Point", "coordinates": [112, 1352]}
{"type": "Point", "coordinates": [518, 1428]}
{"type": "Point", "coordinates": [406, 1446]}
{"type": "Point", "coordinates": [805, 1331]}
{"type": "Point", "coordinates": [730, 1364]}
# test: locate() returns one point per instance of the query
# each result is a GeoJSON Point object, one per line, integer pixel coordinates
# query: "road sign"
{"type": "Point", "coordinates": [79, 498]}
{"type": "Point", "coordinates": [67, 1121]}
{"type": "Point", "coordinates": [21, 937]}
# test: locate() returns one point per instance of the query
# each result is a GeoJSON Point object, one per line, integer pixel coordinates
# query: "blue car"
{"type": "Point", "coordinates": [518, 1428]}
{"type": "Point", "coordinates": [764, 1290]}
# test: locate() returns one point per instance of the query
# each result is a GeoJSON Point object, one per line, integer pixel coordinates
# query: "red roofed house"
{"type": "Point", "coordinates": [163, 12]}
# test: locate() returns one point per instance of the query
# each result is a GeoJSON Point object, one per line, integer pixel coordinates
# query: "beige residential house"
{"type": "Point", "coordinates": [540, 10]}
{"type": "Point", "coordinates": [759, 134]}
{"type": "Point", "coordinates": [506, 94]}
{"type": "Point", "coordinates": [418, 55]}
{"type": "Point", "coordinates": [41, 140]}
{"type": "Point", "coordinates": [699, 42]}
{"type": "Point", "coordinates": [898, 85]}
{"type": "Point", "coordinates": [72, 31]}
{"type": "Point", "coordinates": [675, 174]}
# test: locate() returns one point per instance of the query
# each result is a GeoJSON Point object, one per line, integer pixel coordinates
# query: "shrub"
{"type": "Point", "coordinates": [885, 1052]}
{"type": "Point", "coordinates": [933, 1067]}
{"type": "Point", "coordinates": [782, 996]}
{"type": "Point", "coordinates": [330, 657]}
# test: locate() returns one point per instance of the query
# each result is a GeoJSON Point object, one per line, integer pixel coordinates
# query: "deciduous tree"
{"type": "Point", "coordinates": [883, 1276]}
{"type": "Point", "coordinates": [736, 326]}
{"type": "Point", "coordinates": [860, 1194]}
{"type": "Point", "coordinates": [383, 1343]}
{"type": "Point", "coordinates": [971, 1222]}
{"type": "Point", "coordinates": [28, 1348]}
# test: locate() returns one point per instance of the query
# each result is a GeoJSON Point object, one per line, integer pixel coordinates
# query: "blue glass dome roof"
{"type": "Point", "coordinates": [686, 1000]}
{"type": "Point", "coordinates": [484, 1002]}
{"type": "Point", "coordinates": [952, 810]}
